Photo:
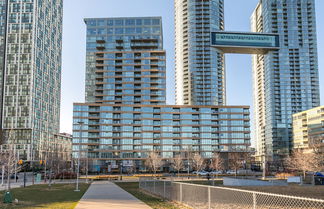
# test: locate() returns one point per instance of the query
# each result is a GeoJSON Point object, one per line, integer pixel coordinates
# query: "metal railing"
{"type": "Point", "coordinates": [212, 197]}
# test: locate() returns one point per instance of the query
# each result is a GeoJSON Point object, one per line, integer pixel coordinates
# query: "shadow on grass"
{"type": "Point", "coordinates": [205, 182]}
{"type": "Point", "coordinates": [41, 196]}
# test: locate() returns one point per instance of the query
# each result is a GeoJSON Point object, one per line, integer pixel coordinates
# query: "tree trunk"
{"type": "Point", "coordinates": [304, 174]}
{"type": "Point", "coordinates": [8, 178]}
{"type": "Point", "coordinates": [2, 175]}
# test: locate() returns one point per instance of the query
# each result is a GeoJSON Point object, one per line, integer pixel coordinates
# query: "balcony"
{"type": "Point", "coordinates": [100, 47]}
{"type": "Point", "coordinates": [100, 41]}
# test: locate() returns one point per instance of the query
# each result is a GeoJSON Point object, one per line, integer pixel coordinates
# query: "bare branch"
{"type": "Point", "coordinates": [198, 162]}
{"type": "Point", "coordinates": [153, 161]}
{"type": "Point", "coordinates": [177, 163]}
{"type": "Point", "coordinates": [217, 162]}
{"type": "Point", "coordinates": [302, 161]}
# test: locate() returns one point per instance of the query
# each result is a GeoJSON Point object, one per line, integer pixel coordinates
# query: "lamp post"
{"type": "Point", "coordinates": [188, 159]}
{"type": "Point", "coordinates": [87, 181]}
{"type": "Point", "coordinates": [264, 165]}
{"type": "Point", "coordinates": [121, 170]}
{"type": "Point", "coordinates": [79, 153]}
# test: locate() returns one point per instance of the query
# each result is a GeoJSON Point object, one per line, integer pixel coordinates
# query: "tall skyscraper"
{"type": "Point", "coordinates": [125, 61]}
{"type": "Point", "coordinates": [285, 81]}
{"type": "Point", "coordinates": [30, 82]}
{"type": "Point", "coordinates": [200, 68]}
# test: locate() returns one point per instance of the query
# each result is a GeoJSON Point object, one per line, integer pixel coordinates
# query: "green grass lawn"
{"type": "Point", "coordinates": [59, 196]}
{"type": "Point", "coordinates": [154, 202]}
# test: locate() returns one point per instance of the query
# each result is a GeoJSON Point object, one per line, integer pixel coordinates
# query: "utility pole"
{"type": "Point", "coordinates": [79, 153]}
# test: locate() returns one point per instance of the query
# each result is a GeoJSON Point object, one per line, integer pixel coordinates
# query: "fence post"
{"type": "Point", "coordinates": [209, 199]}
{"type": "Point", "coordinates": [180, 192]}
{"type": "Point", "coordinates": [254, 200]}
{"type": "Point", "coordinates": [164, 190]}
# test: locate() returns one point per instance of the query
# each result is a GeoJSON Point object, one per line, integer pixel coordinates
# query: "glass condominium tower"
{"type": "Point", "coordinates": [30, 72]}
{"type": "Point", "coordinates": [285, 81]}
{"type": "Point", "coordinates": [125, 61]}
{"type": "Point", "coordinates": [200, 68]}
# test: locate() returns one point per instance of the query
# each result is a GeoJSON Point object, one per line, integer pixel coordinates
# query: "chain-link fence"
{"type": "Point", "coordinates": [211, 197]}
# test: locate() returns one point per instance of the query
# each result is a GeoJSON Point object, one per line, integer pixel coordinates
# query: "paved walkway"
{"type": "Point", "coordinates": [104, 194]}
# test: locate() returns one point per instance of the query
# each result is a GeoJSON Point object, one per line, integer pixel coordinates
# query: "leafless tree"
{"type": "Point", "coordinates": [131, 169]}
{"type": "Point", "coordinates": [236, 160]}
{"type": "Point", "coordinates": [316, 143]}
{"type": "Point", "coordinates": [318, 159]}
{"type": "Point", "coordinates": [9, 156]}
{"type": "Point", "coordinates": [217, 162]}
{"type": "Point", "coordinates": [302, 160]}
{"type": "Point", "coordinates": [153, 161]}
{"type": "Point", "coordinates": [198, 161]}
{"type": "Point", "coordinates": [52, 159]}
{"type": "Point", "coordinates": [177, 163]}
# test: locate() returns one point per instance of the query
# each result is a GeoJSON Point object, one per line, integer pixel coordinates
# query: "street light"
{"type": "Point", "coordinates": [121, 170]}
{"type": "Point", "coordinates": [188, 159]}
{"type": "Point", "coordinates": [87, 181]}
{"type": "Point", "coordinates": [79, 153]}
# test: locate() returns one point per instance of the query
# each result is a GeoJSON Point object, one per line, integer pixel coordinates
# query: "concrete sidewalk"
{"type": "Point", "coordinates": [105, 194]}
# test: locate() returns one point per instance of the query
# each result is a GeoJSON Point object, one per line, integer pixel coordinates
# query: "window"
{"type": "Point", "coordinates": [119, 22]}
{"type": "Point", "coordinates": [147, 21]}
{"type": "Point", "coordinates": [130, 22]}
{"type": "Point", "coordinates": [155, 22]}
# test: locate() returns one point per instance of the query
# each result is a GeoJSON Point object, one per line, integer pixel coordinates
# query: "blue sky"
{"type": "Point", "coordinates": [238, 67]}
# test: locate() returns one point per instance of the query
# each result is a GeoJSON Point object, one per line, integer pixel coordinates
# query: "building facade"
{"type": "Point", "coordinates": [125, 115]}
{"type": "Point", "coordinates": [125, 134]}
{"type": "Point", "coordinates": [62, 145]}
{"type": "Point", "coordinates": [308, 128]}
{"type": "Point", "coordinates": [200, 68]}
{"type": "Point", "coordinates": [125, 61]}
{"type": "Point", "coordinates": [285, 81]}
{"type": "Point", "coordinates": [30, 47]}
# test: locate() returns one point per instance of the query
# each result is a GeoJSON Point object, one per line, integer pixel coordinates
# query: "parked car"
{"type": "Point", "coordinates": [203, 173]}
{"type": "Point", "coordinates": [230, 172]}
{"type": "Point", "coordinates": [215, 172]}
